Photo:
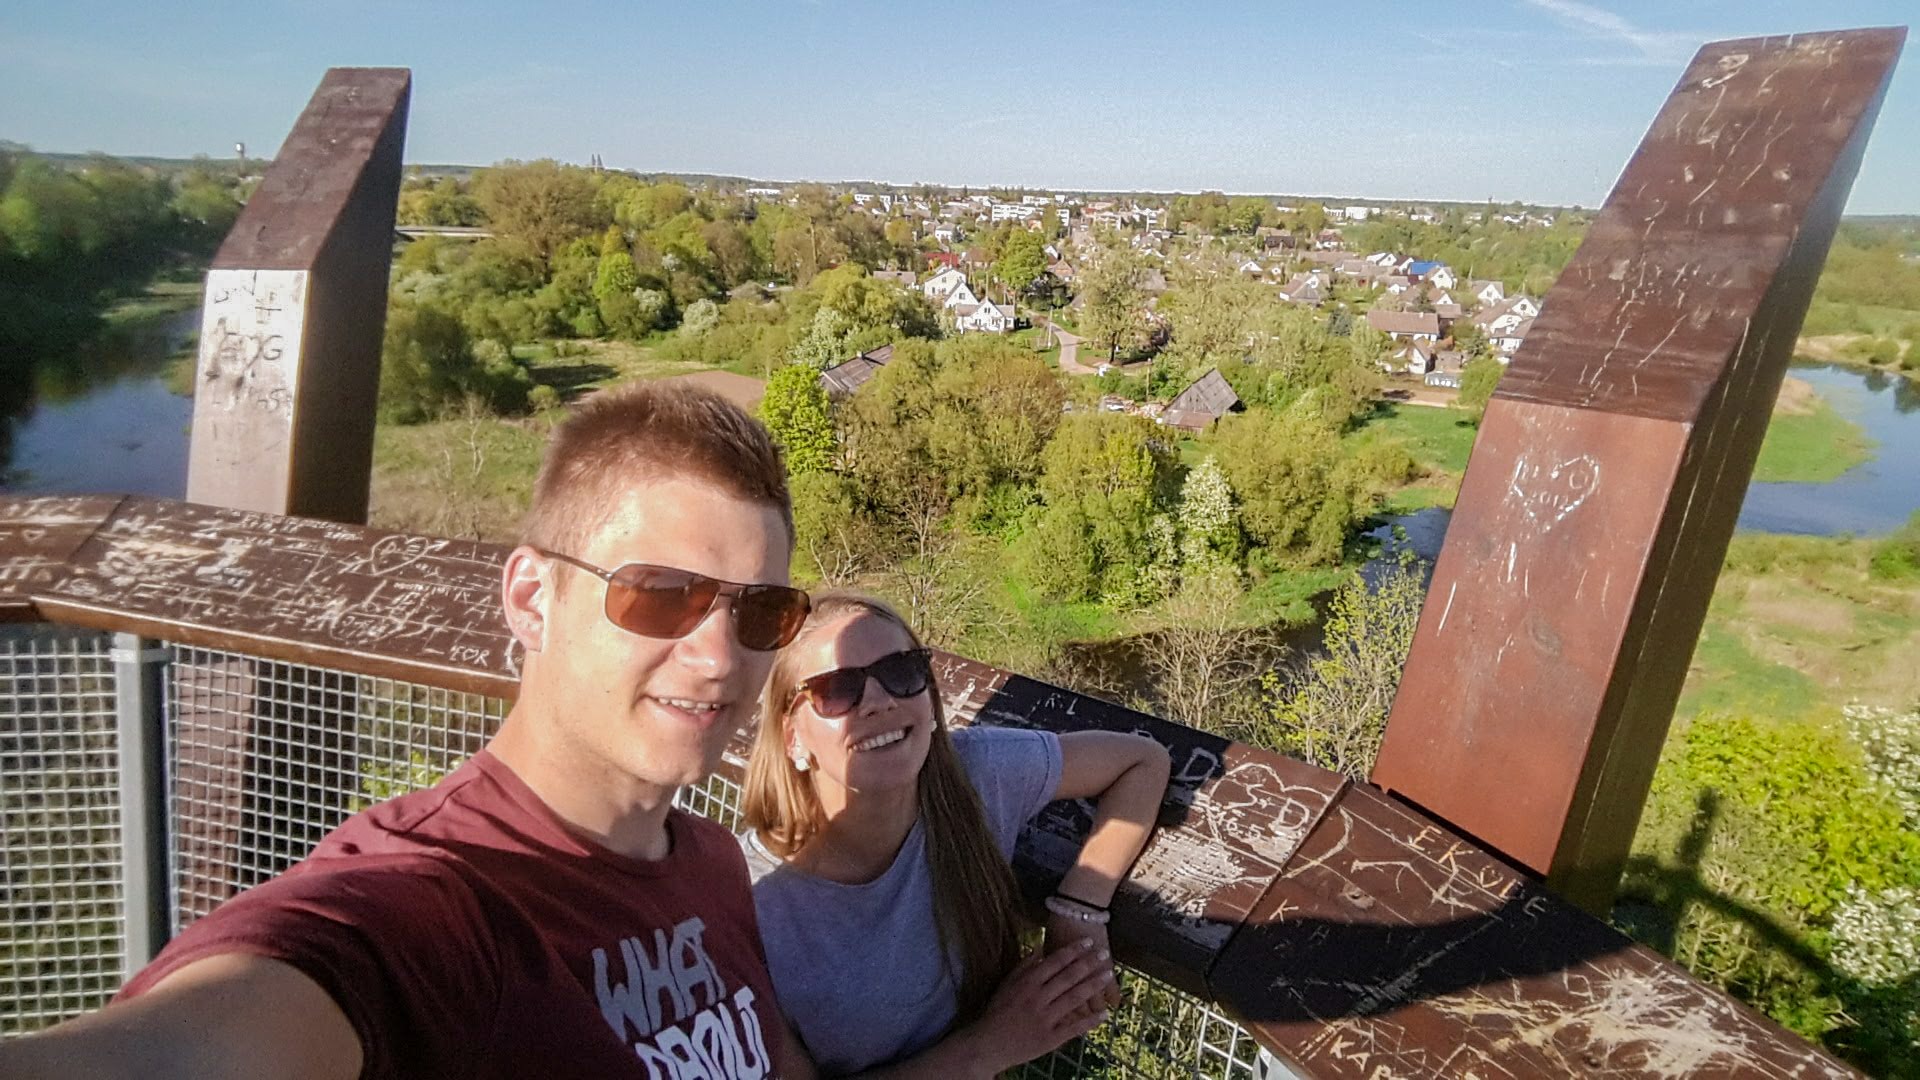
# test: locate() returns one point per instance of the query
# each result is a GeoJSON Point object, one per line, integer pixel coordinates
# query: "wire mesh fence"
{"type": "Point", "coordinates": [263, 759]}
{"type": "Point", "coordinates": [61, 929]}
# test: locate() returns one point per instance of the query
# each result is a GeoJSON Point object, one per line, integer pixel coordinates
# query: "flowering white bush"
{"type": "Point", "coordinates": [1892, 744]}
{"type": "Point", "coordinates": [1877, 935]}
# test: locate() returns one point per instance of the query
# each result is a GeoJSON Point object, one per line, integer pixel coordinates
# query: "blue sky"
{"type": "Point", "coordinates": [1538, 100]}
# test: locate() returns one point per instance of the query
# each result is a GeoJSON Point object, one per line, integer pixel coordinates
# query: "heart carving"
{"type": "Point", "coordinates": [1548, 493]}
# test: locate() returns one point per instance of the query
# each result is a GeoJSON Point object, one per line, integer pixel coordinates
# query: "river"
{"type": "Point", "coordinates": [1875, 496]}
{"type": "Point", "coordinates": [102, 422]}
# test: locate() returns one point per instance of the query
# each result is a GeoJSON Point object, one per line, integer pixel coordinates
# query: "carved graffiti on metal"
{"type": "Point", "coordinates": [37, 536]}
{"type": "Point", "coordinates": [1392, 948]}
{"type": "Point", "coordinates": [412, 603]}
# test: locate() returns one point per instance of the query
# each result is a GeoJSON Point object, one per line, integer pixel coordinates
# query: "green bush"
{"type": "Point", "coordinates": [429, 364]}
{"type": "Point", "coordinates": [1756, 833]}
{"type": "Point", "coordinates": [1898, 556]}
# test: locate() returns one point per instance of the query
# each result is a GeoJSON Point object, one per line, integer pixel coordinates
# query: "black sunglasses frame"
{"type": "Point", "coordinates": [914, 664]}
{"type": "Point", "coordinates": [733, 591]}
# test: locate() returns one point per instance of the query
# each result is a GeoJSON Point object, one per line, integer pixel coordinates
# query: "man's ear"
{"type": "Point", "coordinates": [525, 595]}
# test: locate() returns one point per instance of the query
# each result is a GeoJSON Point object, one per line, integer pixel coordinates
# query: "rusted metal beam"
{"type": "Point", "coordinates": [1347, 930]}
{"type": "Point", "coordinates": [1611, 463]}
{"type": "Point", "coordinates": [37, 537]}
{"type": "Point", "coordinates": [314, 592]}
{"type": "Point", "coordinates": [289, 367]}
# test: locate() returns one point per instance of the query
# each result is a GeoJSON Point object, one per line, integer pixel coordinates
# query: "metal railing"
{"type": "Point", "coordinates": [62, 928]}
{"type": "Point", "coordinates": [319, 744]}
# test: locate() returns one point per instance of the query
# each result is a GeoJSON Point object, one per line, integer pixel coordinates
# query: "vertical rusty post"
{"type": "Point", "coordinates": [289, 367]}
{"type": "Point", "coordinates": [284, 403]}
{"type": "Point", "coordinates": [1611, 464]}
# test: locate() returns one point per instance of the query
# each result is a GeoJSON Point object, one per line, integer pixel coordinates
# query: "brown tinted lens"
{"type": "Point", "coordinates": [768, 616]}
{"type": "Point", "coordinates": [837, 692]}
{"type": "Point", "coordinates": [657, 601]}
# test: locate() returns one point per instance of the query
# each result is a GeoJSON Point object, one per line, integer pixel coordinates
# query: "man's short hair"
{"type": "Point", "coordinates": [648, 431]}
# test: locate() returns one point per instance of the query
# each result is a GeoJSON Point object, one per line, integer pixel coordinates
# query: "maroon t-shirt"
{"type": "Point", "coordinates": [465, 932]}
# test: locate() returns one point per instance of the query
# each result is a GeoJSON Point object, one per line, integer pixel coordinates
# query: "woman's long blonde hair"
{"type": "Point", "coordinates": [974, 896]}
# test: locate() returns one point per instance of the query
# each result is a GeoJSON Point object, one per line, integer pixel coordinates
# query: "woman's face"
{"type": "Point", "coordinates": [882, 743]}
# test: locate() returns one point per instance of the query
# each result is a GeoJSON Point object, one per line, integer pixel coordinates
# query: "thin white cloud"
{"type": "Point", "coordinates": [1652, 46]}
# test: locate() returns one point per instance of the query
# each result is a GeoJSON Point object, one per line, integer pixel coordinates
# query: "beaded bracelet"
{"type": "Point", "coordinates": [1069, 908]}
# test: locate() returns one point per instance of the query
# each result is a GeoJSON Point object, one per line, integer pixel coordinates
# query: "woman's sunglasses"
{"type": "Point", "coordinates": [838, 692]}
{"type": "Point", "coordinates": [662, 602]}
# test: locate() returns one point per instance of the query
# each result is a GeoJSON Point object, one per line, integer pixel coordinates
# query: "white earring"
{"type": "Point", "coordinates": [802, 761]}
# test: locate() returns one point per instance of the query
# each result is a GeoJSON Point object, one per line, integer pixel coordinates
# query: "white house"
{"type": "Point", "coordinates": [942, 285]}
{"type": "Point", "coordinates": [961, 297]}
{"type": "Point", "coordinates": [1488, 292]}
{"type": "Point", "coordinates": [1422, 326]}
{"type": "Point", "coordinates": [1416, 358]}
{"type": "Point", "coordinates": [983, 318]}
{"type": "Point", "coordinates": [1508, 338]}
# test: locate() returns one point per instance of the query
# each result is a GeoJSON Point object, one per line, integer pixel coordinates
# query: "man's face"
{"type": "Point", "coordinates": [659, 711]}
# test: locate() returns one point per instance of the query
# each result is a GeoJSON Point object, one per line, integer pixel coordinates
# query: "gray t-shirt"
{"type": "Point", "coordinates": [857, 968]}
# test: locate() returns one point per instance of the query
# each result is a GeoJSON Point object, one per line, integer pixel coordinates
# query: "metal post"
{"type": "Point", "coordinates": [1609, 470]}
{"type": "Point", "coordinates": [138, 666]}
{"type": "Point", "coordinates": [290, 340]}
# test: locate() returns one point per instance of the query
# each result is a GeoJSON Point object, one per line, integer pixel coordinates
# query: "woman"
{"type": "Point", "coordinates": [880, 843]}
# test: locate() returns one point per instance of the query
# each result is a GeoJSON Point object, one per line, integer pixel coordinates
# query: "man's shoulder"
{"type": "Point", "coordinates": [419, 822]}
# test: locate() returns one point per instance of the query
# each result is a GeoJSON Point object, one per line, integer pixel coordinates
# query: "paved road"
{"type": "Point", "coordinates": [1070, 353]}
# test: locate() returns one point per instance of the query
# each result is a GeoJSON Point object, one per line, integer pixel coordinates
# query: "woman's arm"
{"type": "Point", "coordinates": [1126, 776]}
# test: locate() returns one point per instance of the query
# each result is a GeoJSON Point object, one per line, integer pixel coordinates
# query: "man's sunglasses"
{"type": "Point", "coordinates": [662, 602]}
{"type": "Point", "coordinates": [838, 692]}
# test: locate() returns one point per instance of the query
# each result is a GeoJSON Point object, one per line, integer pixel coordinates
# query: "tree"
{"type": "Point", "coordinates": [825, 342]}
{"type": "Point", "coordinates": [900, 237]}
{"type": "Point", "coordinates": [1114, 299]}
{"type": "Point", "coordinates": [1022, 259]}
{"type": "Point", "coordinates": [1115, 471]}
{"type": "Point", "coordinates": [1333, 711]}
{"type": "Point", "coordinates": [1286, 470]}
{"type": "Point", "coordinates": [1217, 314]}
{"type": "Point", "coordinates": [796, 414]}
{"type": "Point", "coordinates": [1477, 382]}
{"type": "Point", "coordinates": [1206, 665]}
{"type": "Point", "coordinates": [700, 317]}
{"type": "Point", "coordinates": [542, 203]}
{"type": "Point", "coordinates": [428, 364]}
{"type": "Point", "coordinates": [615, 274]}
{"type": "Point", "coordinates": [829, 534]}
{"type": "Point", "coordinates": [438, 202]}
{"type": "Point", "coordinates": [1209, 524]}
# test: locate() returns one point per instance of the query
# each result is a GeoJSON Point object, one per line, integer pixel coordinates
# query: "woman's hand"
{"type": "Point", "coordinates": [1048, 999]}
{"type": "Point", "coordinates": [1064, 932]}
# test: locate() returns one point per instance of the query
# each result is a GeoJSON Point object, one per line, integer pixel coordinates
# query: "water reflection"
{"type": "Point", "coordinates": [98, 419]}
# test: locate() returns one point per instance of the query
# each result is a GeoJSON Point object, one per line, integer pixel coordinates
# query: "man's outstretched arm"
{"type": "Point", "coordinates": [230, 1015]}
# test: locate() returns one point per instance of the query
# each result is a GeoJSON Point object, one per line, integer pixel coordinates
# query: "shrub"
{"type": "Point", "coordinates": [1758, 837]}
{"type": "Point", "coordinates": [1898, 555]}
{"type": "Point", "coordinates": [429, 363]}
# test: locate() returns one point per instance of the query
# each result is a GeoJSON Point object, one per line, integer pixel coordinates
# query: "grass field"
{"type": "Point", "coordinates": [1440, 439]}
{"type": "Point", "coordinates": [1798, 627]}
{"type": "Point", "coordinates": [1811, 447]}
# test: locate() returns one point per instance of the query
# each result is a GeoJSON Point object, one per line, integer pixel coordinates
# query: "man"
{"type": "Point", "coordinates": [543, 911]}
